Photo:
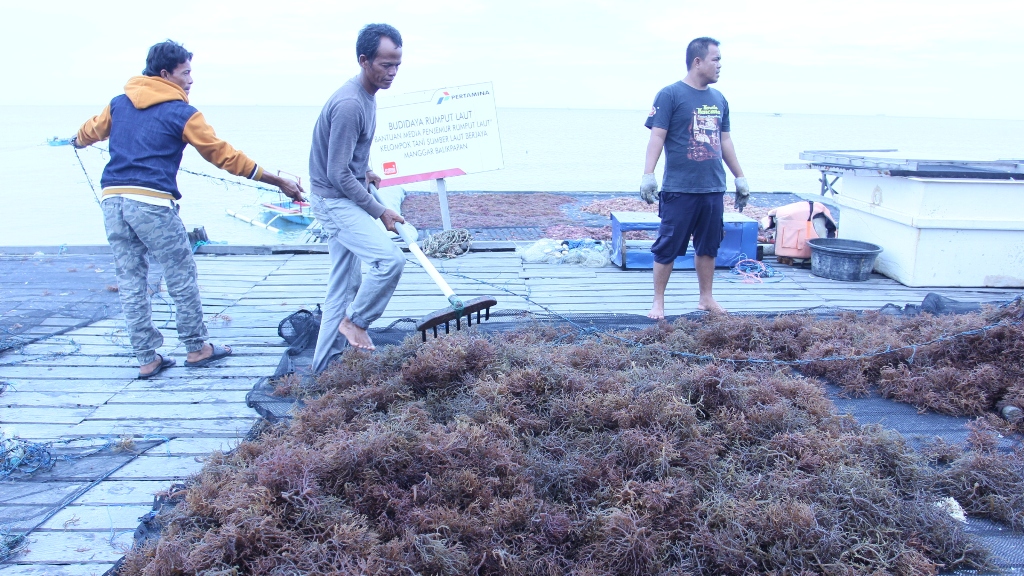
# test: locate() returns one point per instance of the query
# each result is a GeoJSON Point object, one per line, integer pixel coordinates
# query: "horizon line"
{"type": "Point", "coordinates": [582, 109]}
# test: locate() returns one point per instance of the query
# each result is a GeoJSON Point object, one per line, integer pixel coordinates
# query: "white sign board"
{"type": "Point", "coordinates": [436, 134]}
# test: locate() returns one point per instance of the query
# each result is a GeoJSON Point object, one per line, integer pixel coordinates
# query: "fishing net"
{"type": "Point", "coordinates": [588, 253]}
{"type": "Point", "coordinates": [23, 457]}
{"type": "Point", "coordinates": [47, 296]}
{"type": "Point", "coordinates": [273, 397]}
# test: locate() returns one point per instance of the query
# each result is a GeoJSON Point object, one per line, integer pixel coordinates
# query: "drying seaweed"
{"type": "Point", "coordinates": [605, 207]}
{"type": "Point", "coordinates": [961, 365]}
{"type": "Point", "coordinates": [487, 210]}
{"type": "Point", "coordinates": [547, 452]}
{"type": "Point", "coordinates": [572, 232]}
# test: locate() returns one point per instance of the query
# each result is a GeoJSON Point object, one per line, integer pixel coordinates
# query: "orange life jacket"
{"type": "Point", "coordinates": [795, 224]}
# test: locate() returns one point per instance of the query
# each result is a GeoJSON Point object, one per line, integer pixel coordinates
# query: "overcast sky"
{"type": "Point", "coordinates": [897, 57]}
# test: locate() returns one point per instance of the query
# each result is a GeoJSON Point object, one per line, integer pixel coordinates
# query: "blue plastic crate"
{"type": "Point", "coordinates": [740, 240]}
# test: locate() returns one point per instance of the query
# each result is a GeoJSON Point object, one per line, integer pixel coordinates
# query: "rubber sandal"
{"type": "Point", "coordinates": [218, 353]}
{"type": "Point", "coordinates": [164, 363]}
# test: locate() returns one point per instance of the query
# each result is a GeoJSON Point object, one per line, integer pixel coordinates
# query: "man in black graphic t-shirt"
{"type": "Point", "coordinates": [690, 121]}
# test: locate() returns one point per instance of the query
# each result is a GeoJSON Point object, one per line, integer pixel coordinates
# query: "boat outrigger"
{"type": "Point", "coordinates": [297, 213]}
{"type": "Point", "coordinates": [290, 211]}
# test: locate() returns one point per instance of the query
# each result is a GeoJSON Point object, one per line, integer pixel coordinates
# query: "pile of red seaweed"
{"type": "Point", "coordinates": [541, 451]}
{"type": "Point", "coordinates": [910, 359]}
{"type": "Point", "coordinates": [487, 210]}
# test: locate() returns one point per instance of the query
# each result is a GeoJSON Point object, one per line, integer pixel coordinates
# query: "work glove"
{"type": "Point", "coordinates": [649, 189]}
{"type": "Point", "coordinates": [742, 194]}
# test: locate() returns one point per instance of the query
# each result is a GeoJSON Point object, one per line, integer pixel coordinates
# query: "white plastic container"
{"type": "Point", "coordinates": [940, 232]}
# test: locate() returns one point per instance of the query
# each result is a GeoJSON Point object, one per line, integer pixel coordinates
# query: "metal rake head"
{"type": "Point", "coordinates": [481, 306]}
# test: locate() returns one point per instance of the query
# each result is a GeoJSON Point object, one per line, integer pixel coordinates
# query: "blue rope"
{"type": "Point", "coordinates": [27, 457]}
{"type": "Point", "coordinates": [752, 271]}
{"type": "Point", "coordinates": [200, 243]}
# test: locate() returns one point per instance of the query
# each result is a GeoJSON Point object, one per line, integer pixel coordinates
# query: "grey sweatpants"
{"type": "Point", "coordinates": [135, 229]}
{"type": "Point", "coordinates": [354, 238]}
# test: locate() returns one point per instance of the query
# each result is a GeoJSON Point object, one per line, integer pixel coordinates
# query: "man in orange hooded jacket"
{"type": "Point", "coordinates": [148, 127]}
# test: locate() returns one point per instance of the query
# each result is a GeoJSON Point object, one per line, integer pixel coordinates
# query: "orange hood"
{"type": "Point", "coordinates": [146, 91]}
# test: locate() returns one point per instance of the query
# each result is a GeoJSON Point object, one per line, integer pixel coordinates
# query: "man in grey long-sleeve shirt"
{"type": "Point", "coordinates": [340, 173]}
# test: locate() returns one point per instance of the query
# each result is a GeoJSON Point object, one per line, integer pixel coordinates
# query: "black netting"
{"type": "Point", "coordinates": [933, 304]}
{"type": "Point", "coordinates": [268, 402]}
{"type": "Point", "coordinates": [917, 427]}
{"type": "Point", "coordinates": [151, 524]}
{"type": "Point", "coordinates": [300, 330]}
{"type": "Point", "coordinates": [46, 296]}
{"type": "Point", "coordinates": [270, 397]}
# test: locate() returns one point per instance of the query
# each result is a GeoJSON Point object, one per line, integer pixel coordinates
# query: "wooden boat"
{"type": "Point", "coordinates": [289, 211]}
{"type": "Point", "coordinates": [285, 210]}
{"type": "Point", "coordinates": [275, 213]}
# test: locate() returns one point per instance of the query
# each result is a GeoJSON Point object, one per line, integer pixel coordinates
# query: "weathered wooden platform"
{"type": "Point", "coordinates": [80, 391]}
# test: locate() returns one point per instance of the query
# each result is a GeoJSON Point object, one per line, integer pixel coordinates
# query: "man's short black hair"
{"type": "Point", "coordinates": [166, 55]}
{"type": "Point", "coordinates": [698, 48]}
{"type": "Point", "coordinates": [369, 39]}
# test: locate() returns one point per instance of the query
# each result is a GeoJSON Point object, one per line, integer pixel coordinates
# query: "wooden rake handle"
{"type": "Point", "coordinates": [410, 235]}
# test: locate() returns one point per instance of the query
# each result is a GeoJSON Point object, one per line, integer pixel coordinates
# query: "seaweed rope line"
{"type": "Point", "coordinates": [103, 152]}
{"type": "Point", "coordinates": [20, 148]}
{"type": "Point", "coordinates": [87, 178]}
{"type": "Point", "coordinates": [229, 181]}
{"type": "Point", "coordinates": [226, 181]}
{"type": "Point", "coordinates": [765, 361]}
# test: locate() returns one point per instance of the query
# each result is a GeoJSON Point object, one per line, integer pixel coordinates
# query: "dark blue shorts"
{"type": "Point", "coordinates": [684, 215]}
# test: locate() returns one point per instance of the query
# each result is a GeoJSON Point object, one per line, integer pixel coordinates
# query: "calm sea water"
{"type": "Point", "coordinates": [47, 199]}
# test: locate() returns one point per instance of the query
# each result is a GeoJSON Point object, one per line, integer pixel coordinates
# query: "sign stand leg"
{"type": "Point", "coordinates": [442, 195]}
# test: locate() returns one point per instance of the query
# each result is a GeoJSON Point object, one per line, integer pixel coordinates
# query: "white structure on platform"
{"type": "Point", "coordinates": [940, 223]}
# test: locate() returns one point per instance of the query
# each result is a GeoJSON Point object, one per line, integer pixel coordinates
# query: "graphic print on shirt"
{"type": "Point", "coordinates": [705, 134]}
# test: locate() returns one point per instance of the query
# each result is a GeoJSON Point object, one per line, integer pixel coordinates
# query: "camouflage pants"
{"type": "Point", "coordinates": [135, 230]}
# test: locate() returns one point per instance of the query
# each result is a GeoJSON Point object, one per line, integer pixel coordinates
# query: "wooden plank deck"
{"type": "Point", "coordinates": [83, 386]}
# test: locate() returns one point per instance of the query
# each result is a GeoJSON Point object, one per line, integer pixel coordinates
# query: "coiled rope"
{"type": "Point", "coordinates": [447, 244]}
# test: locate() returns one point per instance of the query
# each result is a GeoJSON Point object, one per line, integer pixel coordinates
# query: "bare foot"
{"type": "Point", "coordinates": [709, 305]}
{"type": "Point", "coordinates": [355, 335]}
{"type": "Point", "coordinates": [657, 311]}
